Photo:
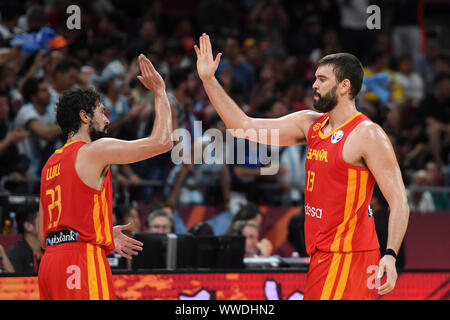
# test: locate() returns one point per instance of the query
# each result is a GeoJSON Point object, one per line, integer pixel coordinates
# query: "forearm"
{"type": "Point", "coordinates": [228, 110]}
{"type": "Point", "coordinates": [398, 222]}
{"type": "Point", "coordinates": [162, 128]}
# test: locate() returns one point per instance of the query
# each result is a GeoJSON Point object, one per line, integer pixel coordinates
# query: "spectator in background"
{"type": "Point", "coordinates": [411, 82]}
{"type": "Point", "coordinates": [10, 14]}
{"type": "Point", "coordinates": [25, 255]}
{"type": "Point", "coordinates": [6, 265]}
{"type": "Point", "coordinates": [201, 229]}
{"type": "Point", "coordinates": [205, 179]}
{"type": "Point", "coordinates": [179, 226]}
{"type": "Point", "coordinates": [435, 110]}
{"type": "Point", "coordinates": [253, 246]}
{"type": "Point", "coordinates": [159, 221]}
{"type": "Point", "coordinates": [128, 214]}
{"type": "Point", "coordinates": [296, 232]}
{"type": "Point", "coordinates": [435, 172]}
{"type": "Point", "coordinates": [420, 200]}
{"type": "Point", "coordinates": [406, 36]}
{"type": "Point", "coordinates": [235, 61]}
{"type": "Point", "coordinates": [65, 76]}
{"type": "Point", "coordinates": [112, 82]}
{"type": "Point", "coordinates": [11, 163]}
{"type": "Point", "coordinates": [38, 145]}
{"type": "Point", "coordinates": [390, 93]}
{"type": "Point", "coordinates": [247, 212]}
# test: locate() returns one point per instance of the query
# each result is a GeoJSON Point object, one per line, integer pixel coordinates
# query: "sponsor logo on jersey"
{"type": "Point", "coordinates": [337, 136]}
{"type": "Point", "coordinates": [320, 155]}
{"type": "Point", "coordinates": [313, 212]}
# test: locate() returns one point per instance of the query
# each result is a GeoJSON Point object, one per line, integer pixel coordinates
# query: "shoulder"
{"type": "Point", "coordinates": [370, 137]}
{"type": "Point", "coordinates": [26, 113]}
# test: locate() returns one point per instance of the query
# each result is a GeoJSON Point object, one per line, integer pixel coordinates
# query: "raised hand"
{"type": "Point", "coordinates": [206, 66]}
{"type": "Point", "coordinates": [150, 78]}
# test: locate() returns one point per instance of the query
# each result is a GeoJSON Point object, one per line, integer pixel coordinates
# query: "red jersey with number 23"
{"type": "Point", "coordinates": [337, 194]}
{"type": "Point", "coordinates": [68, 202]}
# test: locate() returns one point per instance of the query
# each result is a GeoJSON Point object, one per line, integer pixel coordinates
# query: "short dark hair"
{"type": "Point", "coordinates": [179, 75]}
{"type": "Point", "coordinates": [31, 88]}
{"type": "Point", "coordinates": [67, 64]}
{"type": "Point", "coordinates": [68, 108]}
{"type": "Point", "coordinates": [26, 213]}
{"type": "Point", "coordinates": [346, 66]}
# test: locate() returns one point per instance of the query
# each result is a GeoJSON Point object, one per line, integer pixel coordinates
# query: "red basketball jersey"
{"type": "Point", "coordinates": [337, 194]}
{"type": "Point", "coordinates": [68, 202]}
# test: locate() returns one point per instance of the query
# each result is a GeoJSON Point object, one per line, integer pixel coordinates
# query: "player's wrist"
{"type": "Point", "coordinates": [390, 252]}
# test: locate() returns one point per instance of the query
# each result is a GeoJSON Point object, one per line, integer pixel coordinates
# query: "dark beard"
{"type": "Point", "coordinates": [327, 102]}
{"type": "Point", "coordinates": [95, 134]}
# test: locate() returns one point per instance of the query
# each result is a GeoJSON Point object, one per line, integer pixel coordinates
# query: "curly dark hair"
{"type": "Point", "coordinates": [70, 103]}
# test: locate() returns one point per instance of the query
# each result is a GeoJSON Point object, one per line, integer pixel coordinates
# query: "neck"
{"type": "Point", "coordinates": [81, 135]}
{"type": "Point", "coordinates": [341, 113]}
{"type": "Point", "coordinates": [39, 107]}
{"type": "Point", "coordinates": [33, 242]}
{"type": "Point", "coordinates": [56, 87]}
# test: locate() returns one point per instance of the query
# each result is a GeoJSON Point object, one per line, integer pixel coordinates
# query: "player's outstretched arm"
{"type": "Point", "coordinates": [292, 129]}
{"type": "Point", "coordinates": [115, 151]}
{"type": "Point", "coordinates": [380, 158]}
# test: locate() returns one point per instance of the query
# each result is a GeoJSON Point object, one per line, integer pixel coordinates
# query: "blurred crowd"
{"type": "Point", "coordinates": [270, 49]}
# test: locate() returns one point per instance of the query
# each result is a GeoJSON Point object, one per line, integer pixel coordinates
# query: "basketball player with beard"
{"type": "Point", "coordinates": [75, 214]}
{"type": "Point", "coordinates": [347, 154]}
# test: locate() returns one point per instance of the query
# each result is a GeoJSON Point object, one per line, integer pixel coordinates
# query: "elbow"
{"type": "Point", "coordinates": [166, 145]}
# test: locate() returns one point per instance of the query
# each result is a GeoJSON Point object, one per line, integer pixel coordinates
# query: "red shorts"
{"type": "Point", "coordinates": [75, 271]}
{"type": "Point", "coordinates": [342, 275]}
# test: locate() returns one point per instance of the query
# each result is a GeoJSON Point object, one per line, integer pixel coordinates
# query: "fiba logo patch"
{"type": "Point", "coordinates": [337, 136]}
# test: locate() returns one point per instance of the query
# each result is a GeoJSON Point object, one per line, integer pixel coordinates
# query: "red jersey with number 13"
{"type": "Point", "coordinates": [337, 194]}
{"type": "Point", "coordinates": [68, 202]}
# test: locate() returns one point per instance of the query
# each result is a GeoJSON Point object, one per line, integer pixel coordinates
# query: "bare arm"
{"type": "Point", "coordinates": [380, 158]}
{"type": "Point", "coordinates": [289, 130]}
{"type": "Point", "coordinates": [40, 130]}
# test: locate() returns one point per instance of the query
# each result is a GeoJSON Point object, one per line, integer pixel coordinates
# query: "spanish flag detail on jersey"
{"type": "Point", "coordinates": [337, 194]}
{"type": "Point", "coordinates": [68, 203]}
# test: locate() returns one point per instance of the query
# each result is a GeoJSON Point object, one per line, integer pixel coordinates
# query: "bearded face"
{"type": "Point", "coordinates": [327, 102]}
{"type": "Point", "coordinates": [95, 132]}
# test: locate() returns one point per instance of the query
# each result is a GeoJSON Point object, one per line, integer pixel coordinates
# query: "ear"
{"type": "Point", "coordinates": [84, 116]}
{"type": "Point", "coordinates": [345, 86]}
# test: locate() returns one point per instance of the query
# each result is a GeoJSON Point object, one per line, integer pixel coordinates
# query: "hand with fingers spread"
{"type": "Point", "coordinates": [124, 245]}
{"type": "Point", "coordinates": [149, 77]}
{"type": "Point", "coordinates": [206, 66]}
{"type": "Point", "coordinates": [387, 265]}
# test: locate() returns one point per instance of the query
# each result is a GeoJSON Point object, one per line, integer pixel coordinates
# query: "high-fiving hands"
{"type": "Point", "coordinates": [149, 77]}
{"type": "Point", "coordinates": [206, 65]}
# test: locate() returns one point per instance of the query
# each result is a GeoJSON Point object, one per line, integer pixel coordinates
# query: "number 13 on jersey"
{"type": "Point", "coordinates": [311, 175]}
{"type": "Point", "coordinates": [55, 202]}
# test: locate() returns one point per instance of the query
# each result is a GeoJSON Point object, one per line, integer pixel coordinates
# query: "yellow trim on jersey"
{"type": "Point", "coordinates": [106, 218]}
{"type": "Point", "coordinates": [324, 136]}
{"type": "Point", "coordinates": [92, 273]}
{"type": "Point", "coordinates": [102, 271]}
{"type": "Point", "coordinates": [349, 200]}
{"type": "Point", "coordinates": [343, 277]}
{"type": "Point", "coordinates": [96, 217]}
{"type": "Point", "coordinates": [331, 276]}
{"type": "Point", "coordinates": [67, 144]}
